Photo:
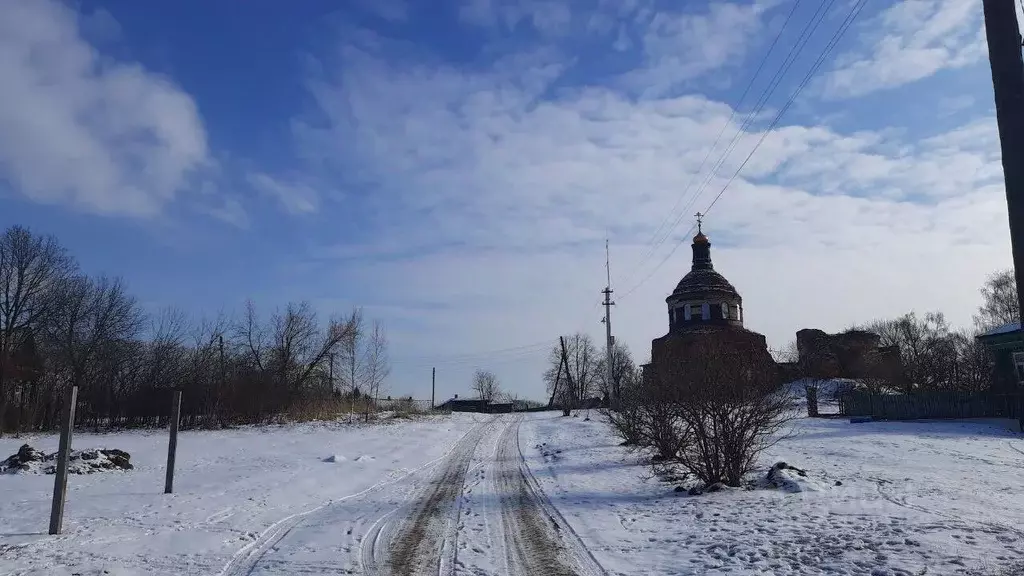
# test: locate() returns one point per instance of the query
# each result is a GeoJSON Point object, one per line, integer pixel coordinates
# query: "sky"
{"type": "Point", "coordinates": [455, 167]}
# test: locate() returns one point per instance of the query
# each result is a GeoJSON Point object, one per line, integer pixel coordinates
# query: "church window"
{"type": "Point", "coordinates": [705, 311]}
{"type": "Point", "coordinates": [686, 312]}
{"type": "Point", "coordinates": [725, 311]}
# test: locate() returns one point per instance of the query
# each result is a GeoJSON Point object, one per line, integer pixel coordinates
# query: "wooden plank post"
{"type": "Point", "coordinates": [60, 481]}
{"type": "Point", "coordinates": [812, 401]}
{"type": "Point", "coordinates": [172, 444]}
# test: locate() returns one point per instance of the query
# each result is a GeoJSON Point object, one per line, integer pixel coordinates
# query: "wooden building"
{"type": "Point", "coordinates": [1006, 345]}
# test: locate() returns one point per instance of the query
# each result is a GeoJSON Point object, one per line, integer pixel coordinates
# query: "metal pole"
{"type": "Point", "coordinates": [433, 383]}
{"type": "Point", "coordinates": [609, 371]}
{"type": "Point", "coordinates": [1004, 52]}
{"type": "Point", "coordinates": [60, 482]}
{"type": "Point", "coordinates": [172, 445]}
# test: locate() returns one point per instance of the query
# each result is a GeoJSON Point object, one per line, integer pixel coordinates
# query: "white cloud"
{"type": "Point", "coordinates": [824, 229]}
{"type": "Point", "coordinates": [295, 197]}
{"type": "Point", "coordinates": [681, 46]}
{"type": "Point", "coordinates": [77, 128]}
{"type": "Point", "coordinates": [908, 41]}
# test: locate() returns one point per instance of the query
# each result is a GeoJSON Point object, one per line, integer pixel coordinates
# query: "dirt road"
{"type": "Point", "coordinates": [502, 517]}
{"type": "Point", "coordinates": [477, 511]}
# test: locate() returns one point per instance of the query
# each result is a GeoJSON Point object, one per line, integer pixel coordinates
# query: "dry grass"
{"type": "Point", "coordinates": [329, 408]}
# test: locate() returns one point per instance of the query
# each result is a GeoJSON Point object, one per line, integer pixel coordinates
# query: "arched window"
{"type": "Point", "coordinates": [705, 311]}
{"type": "Point", "coordinates": [725, 311]}
{"type": "Point", "coordinates": [686, 312]}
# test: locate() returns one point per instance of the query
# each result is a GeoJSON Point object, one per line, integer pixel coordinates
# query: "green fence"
{"type": "Point", "coordinates": [930, 405]}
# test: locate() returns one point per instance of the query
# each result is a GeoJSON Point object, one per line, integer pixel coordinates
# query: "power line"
{"type": "Point", "coordinates": [840, 32]}
{"type": "Point", "coordinates": [655, 241]}
{"type": "Point", "coordinates": [808, 30]}
{"type": "Point", "coordinates": [500, 355]}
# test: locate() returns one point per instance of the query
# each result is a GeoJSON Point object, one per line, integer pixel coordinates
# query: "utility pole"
{"type": "Point", "coordinates": [330, 370]}
{"type": "Point", "coordinates": [609, 340]}
{"type": "Point", "coordinates": [1004, 52]}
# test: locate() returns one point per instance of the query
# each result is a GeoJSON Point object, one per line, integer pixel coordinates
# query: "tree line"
{"type": "Point", "coordinates": [933, 354]}
{"type": "Point", "coordinates": [60, 327]}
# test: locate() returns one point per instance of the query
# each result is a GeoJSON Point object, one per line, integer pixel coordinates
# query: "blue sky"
{"type": "Point", "coordinates": [455, 168]}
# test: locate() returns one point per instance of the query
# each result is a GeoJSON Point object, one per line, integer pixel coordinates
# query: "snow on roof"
{"type": "Point", "coordinates": [1004, 329]}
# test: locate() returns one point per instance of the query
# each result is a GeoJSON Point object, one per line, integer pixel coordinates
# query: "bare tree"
{"type": "Point", "coordinates": [788, 353]}
{"type": "Point", "coordinates": [251, 336]}
{"type": "Point", "coordinates": [376, 365]}
{"type": "Point", "coordinates": [1000, 305]}
{"type": "Point", "coordinates": [934, 357]}
{"type": "Point", "coordinates": [728, 407]}
{"type": "Point", "coordinates": [485, 384]}
{"type": "Point", "coordinates": [579, 375]}
{"type": "Point", "coordinates": [94, 322]}
{"type": "Point", "coordinates": [622, 366]}
{"type": "Point", "coordinates": [352, 354]}
{"type": "Point", "coordinates": [30, 268]}
{"type": "Point", "coordinates": [300, 347]}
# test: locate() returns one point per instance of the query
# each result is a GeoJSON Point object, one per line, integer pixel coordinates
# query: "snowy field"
{"type": "Point", "coordinates": [914, 498]}
{"type": "Point", "coordinates": [882, 499]}
{"type": "Point", "coordinates": [234, 491]}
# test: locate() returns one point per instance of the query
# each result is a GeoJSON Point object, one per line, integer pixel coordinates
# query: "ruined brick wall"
{"type": "Point", "coordinates": [854, 354]}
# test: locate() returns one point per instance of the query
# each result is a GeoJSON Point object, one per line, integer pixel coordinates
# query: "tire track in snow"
{"type": "Point", "coordinates": [245, 561]}
{"type": "Point", "coordinates": [537, 539]}
{"type": "Point", "coordinates": [425, 541]}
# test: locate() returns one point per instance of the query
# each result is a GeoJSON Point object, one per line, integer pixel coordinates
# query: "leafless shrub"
{"type": "Point", "coordinates": [711, 411]}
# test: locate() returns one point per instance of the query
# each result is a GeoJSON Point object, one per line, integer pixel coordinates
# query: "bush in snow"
{"type": "Point", "coordinates": [711, 414]}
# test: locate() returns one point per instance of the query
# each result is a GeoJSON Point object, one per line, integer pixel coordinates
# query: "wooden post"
{"type": "Point", "coordinates": [172, 445]}
{"type": "Point", "coordinates": [812, 401]}
{"type": "Point", "coordinates": [60, 481]}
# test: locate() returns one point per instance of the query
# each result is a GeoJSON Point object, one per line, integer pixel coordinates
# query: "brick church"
{"type": "Point", "coordinates": [705, 316]}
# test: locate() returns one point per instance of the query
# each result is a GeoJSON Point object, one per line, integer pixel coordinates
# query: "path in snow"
{"type": "Point", "coordinates": [537, 540]}
{"type": "Point", "coordinates": [420, 539]}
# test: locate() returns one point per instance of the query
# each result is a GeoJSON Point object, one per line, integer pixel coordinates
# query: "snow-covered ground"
{"type": "Point", "coordinates": [881, 499]}
{"type": "Point", "coordinates": [914, 498]}
{"type": "Point", "coordinates": [235, 492]}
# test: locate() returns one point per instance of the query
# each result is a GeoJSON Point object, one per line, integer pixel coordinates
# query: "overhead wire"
{"type": "Point", "coordinates": [857, 7]}
{"type": "Point", "coordinates": [527, 350]}
{"type": "Point", "coordinates": [794, 51]}
{"type": "Point", "coordinates": [656, 240]}
{"type": "Point", "coordinates": [496, 356]}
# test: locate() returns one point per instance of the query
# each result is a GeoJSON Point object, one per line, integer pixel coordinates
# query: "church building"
{"type": "Point", "coordinates": [705, 315]}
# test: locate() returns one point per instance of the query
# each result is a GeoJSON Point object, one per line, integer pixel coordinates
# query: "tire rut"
{"type": "Point", "coordinates": [423, 543]}
{"type": "Point", "coordinates": [533, 545]}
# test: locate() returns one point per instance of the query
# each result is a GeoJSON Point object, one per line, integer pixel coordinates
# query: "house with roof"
{"type": "Point", "coordinates": [1006, 346]}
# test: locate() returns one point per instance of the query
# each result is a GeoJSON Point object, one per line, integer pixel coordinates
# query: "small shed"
{"type": "Point", "coordinates": [1006, 344]}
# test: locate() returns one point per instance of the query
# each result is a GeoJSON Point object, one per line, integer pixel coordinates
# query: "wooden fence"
{"type": "Point", "coordinates": [930, 405]}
